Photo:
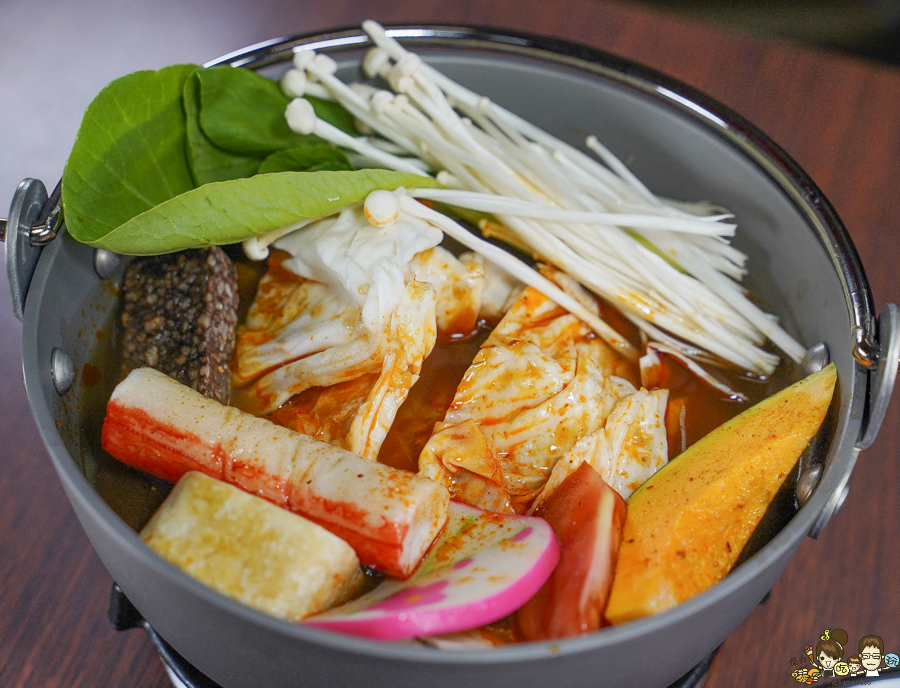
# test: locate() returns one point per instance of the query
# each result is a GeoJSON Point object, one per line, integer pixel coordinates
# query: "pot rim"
{"type": "Point", "coordinates": [665, 91]}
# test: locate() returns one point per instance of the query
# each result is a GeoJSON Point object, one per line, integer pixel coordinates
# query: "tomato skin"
{"type": "Point", "coordinates": [587, 516]}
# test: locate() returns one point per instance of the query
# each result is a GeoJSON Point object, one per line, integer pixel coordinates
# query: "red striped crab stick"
{"type": "Point", "coordinates": [390, 517]}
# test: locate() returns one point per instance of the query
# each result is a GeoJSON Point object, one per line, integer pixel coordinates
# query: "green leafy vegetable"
{"type": "Point", "coordinates": [231, 211]}
{"type": "Point", "coordinates": [130, 153]}
{"type": "Point", "coordinates": [208, 162]}
{"type": "Point", "coordinates": [243, 112]}
{"type": "Point", "coordinates": [235, 122]}
{"type": "Point", "coordinates": [150, 137]}
{"type": "Point", "coordinates": [306, 159]}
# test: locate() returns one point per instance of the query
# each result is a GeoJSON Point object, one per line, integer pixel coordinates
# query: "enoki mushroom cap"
{"type": "Point", "coordinates": [293, 83]}
{"type": "Point", "coordinates": [375, 61]}
{"type": "Point", "coordinates": [381, 208]}
{"type": "Point", "coordinates": [302, 58]}
{"type": "Point", "coordinates": [324, 64]}
{"type": "Point", "coordinates": [300, 116]}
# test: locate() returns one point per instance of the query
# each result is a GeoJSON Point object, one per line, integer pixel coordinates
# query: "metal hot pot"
{"type": "Point", "coordinates": [682, 144]}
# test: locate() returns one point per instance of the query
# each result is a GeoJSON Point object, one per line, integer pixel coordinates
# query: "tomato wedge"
{"type": "Point", "coordinates": [587, 516]}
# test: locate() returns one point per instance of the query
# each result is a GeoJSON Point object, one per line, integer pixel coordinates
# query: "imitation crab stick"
{"type": "Point", "coordinates": [389, 517]}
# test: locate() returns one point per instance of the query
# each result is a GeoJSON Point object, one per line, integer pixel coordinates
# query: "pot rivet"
{"type": "Point", "coordinates": [106, 263]}
{"type": "Point", "coordinates": [62, 371]}
{"type": "Point", "coordinates": [807, 483]}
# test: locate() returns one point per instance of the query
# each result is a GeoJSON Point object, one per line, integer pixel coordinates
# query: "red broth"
{"type": "Point", "coordinates": [694, 408]}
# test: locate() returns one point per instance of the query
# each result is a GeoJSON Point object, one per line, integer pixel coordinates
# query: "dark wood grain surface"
{"type": "Point", "coordinates": [840, 119]}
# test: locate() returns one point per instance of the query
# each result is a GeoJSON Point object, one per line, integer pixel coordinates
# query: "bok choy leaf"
{"type": "Point", "coordinates": [209, 162]}
{"type": "Point", "coordinates": [164, 160]}
{"type": "Point", "coordinates": [232, 211]}
{"type": "Point", "coordinates": [310, 158]}
{"type": "Point", "coordinates": [130, 153]}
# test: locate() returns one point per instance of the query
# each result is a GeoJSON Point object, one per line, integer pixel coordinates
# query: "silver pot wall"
{"type": "Point", "coordinates": [803, 267]}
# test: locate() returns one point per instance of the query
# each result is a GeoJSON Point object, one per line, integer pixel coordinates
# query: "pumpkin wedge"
{"type": "Point", "coordinates": [686, 526]}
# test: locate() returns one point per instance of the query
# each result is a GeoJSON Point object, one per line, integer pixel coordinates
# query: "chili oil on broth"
{"type": "Point", "coordinates": [327, 413]}
{"type": "Point", "coordinates": [135, 495]}
{"type": "Point", "coordinates": [695, 408]}
{"type": "Point", "coordinates": [132, 494]}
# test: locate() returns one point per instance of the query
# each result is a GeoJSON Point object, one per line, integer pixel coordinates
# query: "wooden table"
{"type": "Point", "coordinates": [839, 118]}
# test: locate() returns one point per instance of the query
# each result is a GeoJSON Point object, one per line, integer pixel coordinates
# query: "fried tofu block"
{"type": "Point", "coordinates": [250, 550]}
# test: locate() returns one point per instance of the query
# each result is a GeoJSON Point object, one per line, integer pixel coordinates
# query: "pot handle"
{"type": "Point", "coordinates": [34, 221]}
{"type": "Point", "coordinates": [881, 386]}
{"type": "Point", "coordinates": [883, 376]}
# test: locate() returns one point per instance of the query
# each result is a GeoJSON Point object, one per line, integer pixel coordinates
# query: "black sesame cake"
{"type": "Point", "coordinates": [180, 316]}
